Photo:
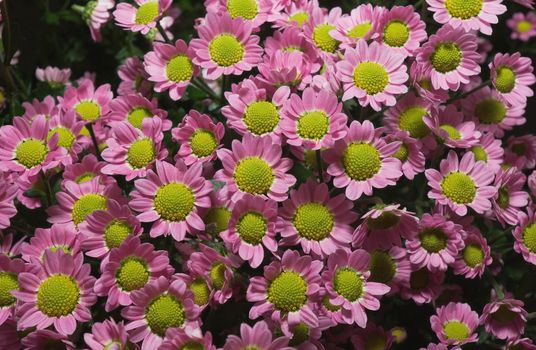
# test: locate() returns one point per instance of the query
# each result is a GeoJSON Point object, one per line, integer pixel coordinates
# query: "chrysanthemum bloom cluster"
{"type": "Point", "coordinates": [288, 176]}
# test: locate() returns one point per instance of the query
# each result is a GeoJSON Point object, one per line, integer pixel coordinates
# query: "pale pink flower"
{"type": "Point", "coordinates": [511, 75]}
{"type": "Point", "coordinates": [140, 18]}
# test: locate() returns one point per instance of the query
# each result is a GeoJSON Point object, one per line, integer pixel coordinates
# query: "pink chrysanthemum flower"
{"type": "Point", "coordinates": [43, 338]}
{"type": "Point", "coordinates": [10, 337]}
{"type": "Point", "coordinates": [255, 12]}
{"type": "Point", "coordinates": [510, 198]}
{"type": "Point", "coordinates": [371, 337]}
{"type": "Point", "coordinates": [107, 229]}
{"type": "Point", "coordinates": [448, 124]}
{"type": "Point", "coordinates": [303, 337]}
{"type": "Point", "coordinates": [257, 337]}
{"type": "Point", "coordinates": [59, 293]}
{"type": "Point", "coordinates": [526, 3]}
{"type": "Point", "coordinates": [424, 286]}
{"type": "Point", "coordinates": [252, 227]}
{"type": "Point", "coordinates": [133, 78]}
{"type": "Point", "coordinates": [455, 324]}
{"type": "Point", "coordinates": [327, 80]}
{"type": "Point", "coordinates": [287, 291]}
{"type": "Point", "coordinates": [58, 237]}
{"type": "Point", "coordinates": [521, 151]}
{"type": "Point", "coordinates": [140, 18]}
{"type": "Point", "coordinates": [470, 15]}
{"type": "Point", "coordinates": [68, 128]}
{"type": "Point", "coordinates": [360, 24]}
{"type": "Point", "coordinates": [177, 338]}
{"type": "Point", "coordinates": [78, 200]}
{"type": "Point", "coordinates": [129, 268]}
{"type": "Point", "coordinates": [363, 161]}
{"type": "Point", "coordinates": [9, 272]}
{"type": "Point", "coordinates": [383, 226]}
{"type": "Point", "coordinates": [511, 75]}
{"type": "Point", "coordinates": [199, 138]}
{"type": "Point", "coordinates": [170, 68]}
{"type": "Point", "coordinates": [91, 104]}
{"type": "Point", "coordinates": [252, 109]}
{"type": "Point", "coordinates": [390, 267]}
{"type": "Point", "coordinates": [317, 30]}
{"type": "Point", "coordinates": [202, 291]}
{"type": "Point", "coordinates": [436, 244]}
{"type": "Point", "coordinates": [520, 344]}
{"type": "Point", "coordinates": [316, 221]}
{"type": "Point", "coordinates": [107, 335]}
{"type": "Point", "coordinates": [489, 150]}
{"type": "Point", "coordinates": [7, 247]}
{"type": "Point", "coordinates": [402, 29]}
{"type": "Point", "coordinates": [255, 166]}
{"type": "Point", "coordinates": [158, 307]}
{"type": "Point", "coordinates": [421, 80]}
{"type": "Point", "coordinates": [135, 108]}
{"type": "Point", "coordinates": [488, 110]}
{"type": "Point", "coordinates": [450, 56]}
{"type": "Point", "coordinates": [315, 120]}
{"type": "Point", "coordinates": [226, 46]}
{"type": "Point", "coordinates": [531, 182]}
{"type": "Point", "coordinates": [473, 259]}
{"type": "Point", "coordinates": [217, 217]}
{"type": "Point", "coordinates": [88, 168]}
{"type": "Point", "coordinates": [95, 13]}
{"type": "Point", "coordinates": [46, 108]}
{"type": "Point", "coordinates": [291, 39]}
{"type": "Point", "coordinates": [8, 192]}
{"type": "Point", "coordinates": [289, 68]}
{"type": "Point", "coordinates": [461, 184]}
{"type": "Point", "coordinates": [373, 74]}
{"type": "Point", "coordinates": [525, 235]}
{"type": "Point", "coordinates": [504, 318]}
{"type": "Point", "coordinates": [26, 148]}
{"type": "Point", "coordinates": [523, 26]}
{"type": "Point", "coordinates": [295, 14]}
{"type": "Point", "coordinates": [172, 199]}
{"type": "Point", "coordinates": [54, 76]}
{"type": "Point", "coordinates": [348, 288]}
{"type": "Point", "coordinates": [409, 153]}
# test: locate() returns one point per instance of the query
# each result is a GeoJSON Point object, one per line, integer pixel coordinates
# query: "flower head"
{"type": "Point", "coordinates": [523, 26]}
{"type": "Point", "coordinates": [525, 235]}
{"type": "Point", "coordinates": [511, 76]}
{"type": "Point", "coordinates": [504, 318]}
{"type": "Point", "coordinates": [455, 324]}
{"type": "Point", "coordinates": [140, 18]}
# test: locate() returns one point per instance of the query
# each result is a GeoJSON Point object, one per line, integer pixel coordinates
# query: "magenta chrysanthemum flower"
{"type": "Point", "coordinates": [291, 39]}
{"type": "Point", "coordinates": [287, 291]}
{"type": "Point", "coordinates": [199, 138]}
{"type": "Point", "coordinates": [68, 128]}
{"type": "Point", "coordinates": [46, 108]}
{"type": "Point", "coordinates": [251, 228]}
{"type": "Point", "coordinates": [360, 24]}
{"type": "Point", "coordinates": [523, 26]}
{"type": "Point", "coordinates": [198, 284]}
{"type": "Point", "coordinates": [8, 192]}
{"type": "Point", "coordinates": [316, 221]}
{"type": "Point", "coordinates": [473, 259]}
{"type": "Point", "coordinates": [409, 153]}
{"type": "Point", "coordinates": [255, 166]}
{"type": "Point", "coordinates": [107, 335]}
{"type": "Point", "coordinates": [531, 182]}
{"type": "Point", "coordinates": [314, 120]}
{"type": "Point", "coordinates": [54, 76]}
{"type": "Point", "coordinates": [253, 109]}
{"type": "Point", "coordinates": [96, 14]}
{"type": "Point", "coordinates": [525, 235]}
{"type": "Point", "coordinates": [172, 199]}
{"type": "Point", "coordinates": [436, 244]}
{"type": "Point", "coordinates": [504, 318]}
{"type": "Point", "coordinates": [402, 29]}
{"type": "Point", "coordinates": [489, 150]}
{"type": "Point", "coordinates": [373, 74]}
{"type": "Point", "coordinates": [420, 79]}
{"type": "Point", "coordinates": [455, 324]}
{"type": "Point", "coordinates": [91, 104]}
{"type": "Point", "coordinates": [449, 125]}
{"type": "Point", "coordinates": [521, 151]}
{"type": "Point", "coordinates": [363, 161]}
{"type": "Point", "coordinates": [348, 287]}
{"type": "Point", "coordinates": [470, 15]}
{"type": "Point", "coordinates": [158, 307]}
{"type": "Point", "coordinates": [39, 339]}
{"type": "Point", "coordinates": [294, 14]}
{"type": "Point", "coordinates": [383, 226]}
{"type": "Point", "coordinates": [317, 30]}
{"type": "Point", "coordinates": [521, 344]}
{"type": "Point", "coordinates": [129, 268]}
{"type": "Point", "coordinates": [217, 217]}
{"type": "Point", "coordinates": [59, 293]}
{"type": "Point", "coordinates": [133, 78]}
{"type": "Point", "coordinates": [257, 337]}
{"type": "Point", "coordinates": [390, 267]}
{"type": "Point", "coordinates": [255, 12]}
{"type": "Point", "coordinates": [510, 198]}
{"type": "Point", "coordinates": [58, 237]}
{"type": "Point", "coordinates": [134, 108]}
{"type": "Point", "coordinates": [226, 46]}
{"type": "Point", "coordinates": [7, 247]}
{"type": "Point", "coordinates": [289, 68]}
{"type": "Point", "coordinates": [170, 68]}
{"type": "Point", "coordinates": [86, 169]}
{"type": "Point", "coordinates": [511, 75]}
{"type": "Point", "coordinates": [177, 338]}
{"type": "Point", "coordinates": [450, 56]}
{"type": "Point", "coordinates": [10, 269]}
{"type": "Point", "coordinates": [372, 335]}
{"type": "Point", "coordinates": [424, 285]}
{"type": "Point", "coordinates": [461, 184]}
{"type": "Point", "coordinates": [140, 18]}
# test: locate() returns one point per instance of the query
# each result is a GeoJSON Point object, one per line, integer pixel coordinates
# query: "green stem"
{"type": "Point", "coordinates": [467, 93]}
{"type": "Point", "coordinates": [319, 166]}
{"type": "Point", "coordinates": [94, 139]}
{"type": "Point", "coordinates": [201, 85]}
{"type": "Point", "coordinates": [163, 33]}
{"type": "Point", "coordinates": [79, 9]}
{"type": "Point", "coordinates": [47, 187]}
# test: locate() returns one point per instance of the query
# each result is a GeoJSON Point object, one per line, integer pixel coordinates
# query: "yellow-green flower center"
{"type": "Point", "coordinates": [360, 30]}
{"type": "Point", "coordinates": [503, 198]}
{"type": "Point", "coordinates": [402, 153]}
{"type": "Point", "coordinates": [217, 220]}
{"type": "Point", "coordinates": [174, 201]}
{"type": "Point", "coordinates": [217, 275]}
{"type": "Point", "coordinates": [396, 33]}
{"type": "Point", "coordinates": [473, 255]}
{"type": "Point", "coordinates": [288, 291]}
{"type": "Point", "coordinates": [361, 161]}
{"type": "Point", "coordinates": [519, 148]}
{"type": "Point", "coordinates": [136, 115]}
{"type": "Point", "coordinates": [371, 77]}
{"type": "Point", "coordinates": [523, 26]}
{"type": "Point", "coordinates": [323, 40]}
{"type": "Point", "coordinates": [261, 117]}
{"type": "Point", "coordinates": [64, 248]}
{"type": "Point", "coordinates": [192, 346]}
{"type": "Point", "coordinates": [411, 120]}
{"type": "Point", "coordinates": [480, 153]}
{"type": "Point", "coordinates": [419, 279]}
{"type": "Point", "coordinates": [433, 240]}
{"type": "Point", "coordinates": [31, 152]}
{"type": "Point", "coordinates": [375, 342]}
{"type": "Point", "coordinates": [459, 187]}
{"type": "Point", "coordinates": [313, 125]}
{"type": "Point", "coordinates": [504, 315]}
{"type": "Point", "coordinates": [84, 177]}
{"type": "Point", "coordinates": [386, 220]}
{"type": "Point", "coordinates": [505, 81]}
{"type": "Point", "coordinates": [164, 312]}
{"type": "Point", "coordinates": [453, 133]}
{"type": "Point", "coordinates": [200, 290]}
{"type": "Point", "coordinates": [86, 205]}
{"type": "Point", "coordinates": [203, 143]}
{"type": "Point", "coordinates": [247, 9]}
{"type": "Point", "coordinates": [58, 295]}
{"type": "Point", "coordinates": [446, 57]}
{"type": "Point", "coordinates": [313, 221]}
{"type": "Point", "coordinates": [300, 334]}
{"type": "Point", "coordinates": [65, 136]}
{"type": "Point", "coordinates": [328, 305]}
{"type": "Point", "coordinates": [226, 50]}
{"type": "Point", "coordinates": [251, 227]}
{"type": "Point", "coordinates": [299, 17]}
{"type": "Point", "coordinates": [8, 283]}
{"type": "Point", "coordinates": [116, 232]}
{"type": "Point", "coordinates": [132, 274]}
{"type": "Point", "coordinates": [179, 68]}
{"type": "Point", "coordinates": [382, 267]}
{"type": "Point", "coordinates": [88, 110]}
{"type": "Point", "coordinates": [490, 111]}
{"type": "Point", "coordinates": [456, 330]}
{"type": "Point", "coordinates": [141, 153]}
{"type": "Point", "coordinates": [253, 175]}
{"type": "Point", "coordinates": [529, 237]}
{"type": "Point", "coordinates": [147, 13]}
{"type": "Point", "coordinates": [464, 9]}
{"type": "Point", "coordinates": [348, 283]}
